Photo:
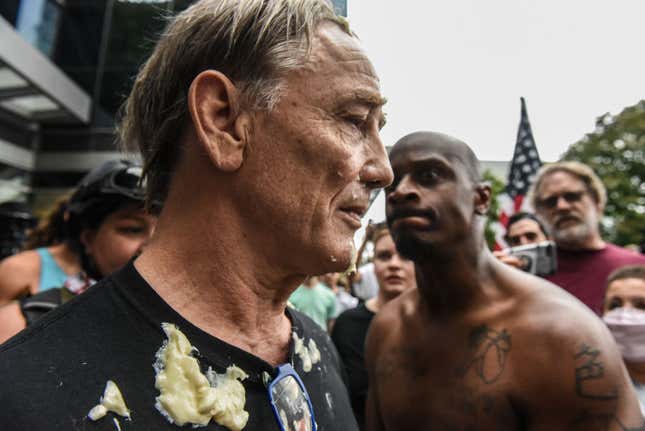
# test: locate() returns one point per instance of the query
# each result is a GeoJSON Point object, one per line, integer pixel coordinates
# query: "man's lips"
{"type": "Point", "coordinates": [353, 214]}
{"type": "Point", "coordinates": [413, 218]}
{"type": "Point", "coordinates": [412, 222]}
{"type": "Point", "coordinates": [566, 220]}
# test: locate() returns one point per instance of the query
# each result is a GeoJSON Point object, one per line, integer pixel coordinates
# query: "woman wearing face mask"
{"type": "Point", "coordinates": [624, 314]}
{"type": "Point", "coordinates": [107, 224]}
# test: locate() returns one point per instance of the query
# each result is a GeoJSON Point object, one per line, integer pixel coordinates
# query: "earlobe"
{"type": "Point", "coordinates": [482, 199]}
{"type": "Point", "coordinates": [219, 125]}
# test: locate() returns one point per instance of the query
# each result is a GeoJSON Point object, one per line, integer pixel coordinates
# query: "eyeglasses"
{"type": "Point", "coordinates": [552, 201]}
{"type": "Point", "coordinates": [290, 401]}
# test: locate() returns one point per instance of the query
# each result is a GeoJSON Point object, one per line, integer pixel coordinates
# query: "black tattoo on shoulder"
{"type": "Point", "coordinates": [589, 369]}
{"type": "Point", "coordinates": [490, 349]}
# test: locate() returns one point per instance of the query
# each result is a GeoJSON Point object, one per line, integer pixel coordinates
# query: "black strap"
{"type": "Point", "coordinates": [36, 306]}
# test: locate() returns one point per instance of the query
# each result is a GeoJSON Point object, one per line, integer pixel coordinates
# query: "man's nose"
{"type": "Point", "coordinates": [405, 190]}
{"type": "Point", "coordinates": [561, 203]}
{"type": "Point", "coordinates": [376, 172]}
{"type": "Point", "coordinates": [524, 240]}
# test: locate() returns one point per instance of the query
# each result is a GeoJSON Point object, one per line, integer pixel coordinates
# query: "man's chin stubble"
{"type": "Point", "coordinates": [573, 236]}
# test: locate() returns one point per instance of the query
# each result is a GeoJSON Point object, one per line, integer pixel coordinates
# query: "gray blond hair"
{"type": "Point", "coordinates": [255, 43]}
{"type": "Point", "coordinates": [579, 170]}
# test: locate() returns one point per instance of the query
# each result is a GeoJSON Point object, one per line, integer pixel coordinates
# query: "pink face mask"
{"type": "Point", "coordinates": [628, 328]}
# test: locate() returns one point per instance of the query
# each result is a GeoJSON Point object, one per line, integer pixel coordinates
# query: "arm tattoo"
{"type": "Point", "coordinates": [590, 369]}
{"type": "Point", "coordinates": [490, 352]}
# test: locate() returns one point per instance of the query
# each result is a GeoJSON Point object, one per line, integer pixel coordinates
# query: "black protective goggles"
{"type": "Point", "coordinates": [126, 182]}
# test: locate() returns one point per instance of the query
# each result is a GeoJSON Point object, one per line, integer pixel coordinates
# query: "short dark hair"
{"type": "Point", "coordinates": [521, 216]}
{"type": "Point", "coordinates": [629, 271]}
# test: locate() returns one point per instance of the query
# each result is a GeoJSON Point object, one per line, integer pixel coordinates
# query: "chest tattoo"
{"type": "Point", "coordinates": [489, 350]}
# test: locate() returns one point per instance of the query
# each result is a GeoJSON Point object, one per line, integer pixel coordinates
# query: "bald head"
{"type": "Point", "coordinates": [436, 199]}
{"type": "Point", "coordinates": [446, 146]}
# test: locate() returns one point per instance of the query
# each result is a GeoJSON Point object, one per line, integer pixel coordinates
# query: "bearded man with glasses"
{"type": "Point", "coordinates": [570, 198]}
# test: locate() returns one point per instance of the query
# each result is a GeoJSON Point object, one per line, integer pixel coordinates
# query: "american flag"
{"type": "Point", "coordinates": [525, 164]}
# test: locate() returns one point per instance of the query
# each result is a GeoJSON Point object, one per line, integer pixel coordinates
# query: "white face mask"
{"type": "Point", "coordinates": [628, 328]}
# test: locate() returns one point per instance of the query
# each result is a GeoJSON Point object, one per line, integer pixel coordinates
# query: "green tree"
{"type": "Point", "coordinates": [497, 187]}
{"type": "Point", "coordinates": [616, 152]}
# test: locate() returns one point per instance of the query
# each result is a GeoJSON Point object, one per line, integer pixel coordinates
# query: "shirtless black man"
{"type": "Point", "coordinates": [480, 345]}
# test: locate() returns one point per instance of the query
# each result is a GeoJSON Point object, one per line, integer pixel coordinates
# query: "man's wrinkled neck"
{"type": "Point", "coordinates": [218, 279]}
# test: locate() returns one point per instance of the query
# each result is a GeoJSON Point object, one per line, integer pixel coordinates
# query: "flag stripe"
{"type": "Point", "coordinates": [524, 165]}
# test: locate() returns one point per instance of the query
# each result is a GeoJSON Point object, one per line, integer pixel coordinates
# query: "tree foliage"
{"type": "Point", "coordinates": [616, 152]}
{"type": "Point", "coordinates": [497, 187]}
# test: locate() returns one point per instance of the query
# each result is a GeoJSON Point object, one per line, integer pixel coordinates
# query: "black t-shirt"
{"type": "Point", "coordinates": [349, 335]}
{"type": "Point", "coordinates": [55, 371]}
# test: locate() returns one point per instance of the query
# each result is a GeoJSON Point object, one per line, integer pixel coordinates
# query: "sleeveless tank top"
{"type": "Point", "coordinates": [51, 275]}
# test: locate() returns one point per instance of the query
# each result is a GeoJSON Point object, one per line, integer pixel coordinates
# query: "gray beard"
{"type": "Point", "coordinates": [573, 236]}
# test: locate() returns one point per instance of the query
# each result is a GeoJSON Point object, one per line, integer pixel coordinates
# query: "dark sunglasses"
{"type": "Point", "coordinates": [552, 201]}
{"type": "Point", "coordinates": [290, 401]}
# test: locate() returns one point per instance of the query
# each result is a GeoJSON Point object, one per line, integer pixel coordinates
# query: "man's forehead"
{"type": "Point", "coordinates": [425, 149]}
{"type": "Point", "coordinates": [524, 225]}
{"type": "Point", "coordinates": [330, 41]}
{"type": "Point", "coordinates": [332, 46]}
{"type": "Point", "coordinates": [560, 180]}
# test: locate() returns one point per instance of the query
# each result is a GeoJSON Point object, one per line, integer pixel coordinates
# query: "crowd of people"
{"type": "Point", "coordinates": [215, 284]}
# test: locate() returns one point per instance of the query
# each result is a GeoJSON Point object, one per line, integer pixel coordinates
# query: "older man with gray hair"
{"type": "Point", "coordinates": [258, 124]}
{"type": "Point", "coordinates": [570, 198]}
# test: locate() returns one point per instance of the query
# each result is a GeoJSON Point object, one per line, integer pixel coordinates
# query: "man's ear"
{"type": "Point", "coordinates": [219, 124]}
{"type": "Point", "coordinates": [600, 209]}
{"type": "Point", "coordinates": [482, 198]}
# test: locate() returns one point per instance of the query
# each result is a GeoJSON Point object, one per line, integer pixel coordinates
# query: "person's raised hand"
{"type": "Point", "coordinates": [508, 259]}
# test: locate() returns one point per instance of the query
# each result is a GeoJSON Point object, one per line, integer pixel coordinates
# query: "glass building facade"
{"type": "Point", "coordinates": [66, 67]}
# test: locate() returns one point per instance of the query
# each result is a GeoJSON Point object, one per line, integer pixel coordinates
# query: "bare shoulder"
{"type": "Point", "coordinates": [546, 309]}
{"type": "Point", "coordinates": [387, 323]}
{"type": "Point", "coordinates": [26, 260]}
{"type": "Point", "coordinates": [570, 369]}
{"type": "Point", "coordinates": [11, 320]}
{"type": "Point", "coordinates": [549, 317]}
{"type": "Point", "coordinates": [18, 273]}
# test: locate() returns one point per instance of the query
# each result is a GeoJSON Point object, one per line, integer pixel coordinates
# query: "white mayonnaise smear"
{"type": "Point", "coordinates": [112, 401]}
{"type": "Point", "coordinates": [309, 355]}
{"type": "Point", "coordinates": [189, 396]}
{"type": "Point", "coordinates": [352, 263]}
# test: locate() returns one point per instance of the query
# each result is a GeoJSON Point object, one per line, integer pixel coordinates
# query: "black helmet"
{"type": "Point", "coordinates": [115, 178]}
{"type": "Point", "coordinates": [101, 192]}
